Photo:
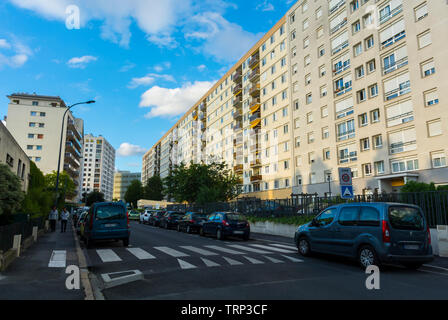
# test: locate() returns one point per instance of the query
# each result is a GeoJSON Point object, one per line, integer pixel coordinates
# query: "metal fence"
{"type": "Point", "coordinates": [24, 228]}
{"type": "Point", "coordinates": [434, 205]}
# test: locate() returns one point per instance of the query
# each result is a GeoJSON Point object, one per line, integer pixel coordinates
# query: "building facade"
{"type": "Point", "coordinates": [122, 180]}
{"type": "Point", "coordinates": [333, 84]}
{"type": "Point", "coordinates": [13, 155]}
{"type": "Point", "coordinates": [99, 166]}
{"type": "Point", "coordinates": [35, 122]}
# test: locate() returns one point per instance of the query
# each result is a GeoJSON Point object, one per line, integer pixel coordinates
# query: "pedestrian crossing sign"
{"type": "Point", "coordinates": [347, 192]}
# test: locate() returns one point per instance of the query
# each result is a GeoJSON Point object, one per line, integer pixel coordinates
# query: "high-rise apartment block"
{"type": "Point", "coordinates": [122, 180]}
{"type": "Point", "coordinates": [35, 121]}
{"type": "Point", "coordinates": [99, 166]}
{"type": "Point", "coordinates": [337, 83]}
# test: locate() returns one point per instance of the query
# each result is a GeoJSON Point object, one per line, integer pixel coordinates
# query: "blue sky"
{"type": "Point", "coordinates": [144, 61]}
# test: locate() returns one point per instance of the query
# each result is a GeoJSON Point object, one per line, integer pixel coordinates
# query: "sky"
{"type": "Point", "coordinates": [145, 62]}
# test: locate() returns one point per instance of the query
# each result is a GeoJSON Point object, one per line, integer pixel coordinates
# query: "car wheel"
{"type": "Point", "coordinates": [412, 265]}
{"type": "Point", "coordinates": [126, 242]}
{"type": "Point", "coordinates": [219, 235]}
{"type": "Point", "coordinates": [304, 247]}
{"type": "Point", "coordinates": [188, 229]}
{"type": "Point", "coordinates": [367, 257]}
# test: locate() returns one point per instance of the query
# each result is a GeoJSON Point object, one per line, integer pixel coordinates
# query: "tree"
{"type": "Point", "coordinates": [67, 188]}
{"type": "Point", "coordinates": [11, 194]}
{"type": "Point", "coordinates": [94, 197]}
{"type": "Point", "coordinates": [202, 183]}
{"type": "Point", "coordinates": [414, 186]}
{"type": "Point", "coordinates": [38, 199]}
{"type": "Point", "coordinates": [154, 189]}
{"type": "Point", "coordinates": [134, 193]}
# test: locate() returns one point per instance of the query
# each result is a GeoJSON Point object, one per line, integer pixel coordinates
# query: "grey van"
{"type": "Point", "coordinates": [371, 233]}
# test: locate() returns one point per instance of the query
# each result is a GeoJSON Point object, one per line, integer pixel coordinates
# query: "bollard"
{"type": "Point", "coordinates": [47, 225]}
{"type": "Point", "coordinates": [16, 244]}
{"type": "Point", "coordinates": [35, 229]}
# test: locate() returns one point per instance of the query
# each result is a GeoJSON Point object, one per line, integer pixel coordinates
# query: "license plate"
{"type": "Point", "coordinates": [411, 247]}
{"type": "Point", "coordinates": [110, 225]}
{"type": "Point", "coordinates": [238, 232]}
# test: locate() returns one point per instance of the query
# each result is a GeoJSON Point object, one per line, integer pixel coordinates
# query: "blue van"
{"type": "Point", "coordinates": [107, 221]}
{"type": "Point", "coordinates": [371, 233]}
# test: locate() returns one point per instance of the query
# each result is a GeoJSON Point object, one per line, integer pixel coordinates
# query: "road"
{"type": "Point", "coordinates": [178, 266]}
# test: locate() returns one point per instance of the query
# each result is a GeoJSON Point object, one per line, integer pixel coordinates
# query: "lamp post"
{"type": "Point", "coordinates": [329, 185]}
{"type": "Point", "coordinates": [60, 147]}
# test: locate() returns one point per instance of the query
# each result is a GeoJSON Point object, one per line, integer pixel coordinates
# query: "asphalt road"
{"type": "Point", "coordinates": [179, 266]}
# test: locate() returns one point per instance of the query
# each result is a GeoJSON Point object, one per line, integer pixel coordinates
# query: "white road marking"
{"type": "Point", "coordinates": [107, 255]}
{"type": "Point", "coordinates": [236, 246]}
{"type": "Point", "coordinates": [226, 250]}
{"type": "Point", "coordinates": [284, 246]}
{"type": "Point", "coordinates": [200, 251]}
{"type": "Point", "coordinates": [141, 254]}
{"type": "Point", "coordinates": [292, 259]}
{"type": "Point", "coordinates": [172, 252]}
{"type": "Point", "coordinates": [185, 265]}
{"type": "Point", "coordinates": [58, 259]}
{"type": "Point", "coordinates": [272, 249]}
{"type": "Point", "coordinates": [273, 259]}
{"type": "Point", "coordinates": [232, 262]}
{"type": "Point", "coordinates": [210, 263]}
{"type": "Point", "coordinates": [431, 266]}
{"type": "Point", "coordinates": [254, 261]}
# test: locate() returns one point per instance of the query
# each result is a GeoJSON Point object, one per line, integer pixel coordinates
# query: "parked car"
{"type": "Point", "coordinates": [170, 219]}
{"type": "Point", "coordinates": [371, 233]}
{"type": "Point", "coordinates": [191, 222]}
{"type": "Point", "coordinates": [223, 224]}
{"type": "Point", "coordinates": [107, 221]}
{"type": "Point", "coordinates": [134, 215]}
{"type": "Point", "coordinates": [155, 217]}
{"type": "Point", "coordinates": [144, 217]}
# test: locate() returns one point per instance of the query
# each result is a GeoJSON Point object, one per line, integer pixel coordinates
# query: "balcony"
{"type": "Point", "coordinates": [255, 106]}
{"type": "Point", "coordinates": [237, 75]}
{"type": "Point", "coordinates": [255, 90]}
{"type": "Point", "coordinates": [341, 67]}
{"type": "Point", "coordinates": [70, 146]}
{"type": "Point", "coordinates": [340, 47]}
{"type": "Point", "coordinates": [255, 116]}
{"type": "Point", "coordinates": [71, 159]}
{"type": "Point", "coordinates": [339, 26]}
{"type": "Point", "coordinates": [203, 127]}
{"type": "Point", "coordinates": [202, 116]}
{"type": "Point", "coordinates": [237, 89]}
{"type": "Point", "coordinates": [71, 137]}
{"type": "Point", "coordinates": [255, 148]}
{"type": "Point", "coordinates": [395, 65]}
{"type": "Point", "coordinates": [72, 126]}
{"type": "Point", "coordinates": [403, 89]}
{"type": "Point", "coordinates": [352, 157]}
{"type": "Point", "coordinates": [254, 61]}
{"type": "Point", "coordinates": [337, 6]}
{"type": "Point", "coordinates": [257, 178]}
{"type": "Point", "coordinates": [255, 75]}
{"type": "Point", "coordinates": [393, 40]}
{"type": "Point", "coordinates": [71, 171]}
{"type": "Point", "coordinates": [195, 115]}
{"type": "Point", "coordinates": [399, 147]}
{"type": "Point", "coordinates": [238, 168]}
{"type": "Point", "coordinates": [237, 114]}
{"type": "Point", "coordinates": [203, 107]}
{"type": "Point", "coordinates": [391, 14]}
{"type": "Point", "coordinates": [237, 102]}
{"type": "Point", "coordinates": [238, 127]}
{"type": "Point", "coordinates": [256, 163]}
{"type": "Point", "coordinates": [238, 140]}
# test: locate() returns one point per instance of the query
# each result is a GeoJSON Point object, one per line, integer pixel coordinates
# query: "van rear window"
{"type": "Point", "coordinates": [406, 218]}
{"type": "Point", "coordinates": [110, 213]}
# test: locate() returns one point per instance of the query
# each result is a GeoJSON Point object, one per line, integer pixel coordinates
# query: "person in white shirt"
{"type": "Point", "coordinates": [64, 218]}
{"type": "Point", "coordinates": [53, 217]}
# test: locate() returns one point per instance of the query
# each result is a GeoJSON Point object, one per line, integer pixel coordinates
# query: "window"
{"type": "Point", "coordinates": [375, 116]}
{"type": "Point", "coordinates": [29, 147]}
{"type": "Point", "coordinates": [309, 98]}
{"type": "Point", "coordinates": [41, 125]}
{"type": "Point", "coordinates": [402, 112]}
{"type": "Point", "coordinates": [367, 19]}
{"type": "Point", "coordinates": [326, 154]}
{"type": "Point", "coordinates": [403, 141]}
{"type": "Point", "coordinates": [424, 39]}
{"type": "Point", "coordinates": [427, 68]}
{"type": "Point", "coordinates": [32, 124]}
{"type": "Point", "coordinates": [348, 216]}
{"type": "Point", "coordinates": [438, 159]}
{"type": "Point", "coordinates": [431, 98]}
{"type": "Point", "coordinates": [379, 167]}
{"type": "Point", "coordinates": [392, 34]}
{"type": "Point", "coordinates": [346, 130]}
{"type": "Point", "coordinates": [296, 105]}
{"type": "Point", "coordinates": [434, 128]}
{"type": "Point", "coordinates": [344, 107]}
{"type": "Point", "coordinates": [33, 113]}
{"type": "Point", "coordinates": [310, 137]}
{"type": "Point", "coordinates": [297, 123]}
{"type": "Point", "coordinates": [397, 86]}
{"type": "Point", "coordinates": [361, 95]}
{"type": "Point", "coordinates": [325, 133]}
{"type": "Point", "coordinates": [307, 60]}
{"type": "Point", "coordinates": [367, 169]}
{"type": "Point", "coordinates": [321, 51]}
{"type": "Point", "coordinates": [322, 71]}
{"type": "Point", "coordinates": [363, 120]}
{"type": "Point", "coordinates": [309, 117]}
{"type": "Point", "coordinates": [306, 24]}
{"type": "Point", "coordinates": [35, 103]}
{"type": "Point", "coordinates": [354, 5]}
{"type": "Point", "coordinates": [348, 153]}
{"type": "Point", "coordinates": [421, 12]}
{"type": "Point", "coordinates": [371, 66]}
{"type": "Point", "coordinates": [357, 49]}
{"type": "Point", "coordinates": [339, 43]}
{"type": "Point", "coordinates": [323, 91]}
{"type": "Point", "coordinates": [356, 27]}
{"type": "Point", "coordinates": [308, 79]}
{"type": "Point", "coordinates": [405, 165]}
{"type": "Point", "coordinates": [365, 144]}
{"type": "Point", "coordinates": [359, 72]}
{"type": "Point", "coordinates": [369, 43]}
{"type": "Point", "coordinates": [38, 147]}
{"type": "Point", "coordinates": [292, 18]}
{"type": "Point", "coordinates": [320, 32]}
{"type": "Point", "coordinates": [306, 42]}
{"type": "Point", "coordinates": [318, 13]}
{"type": "Point", "coordinates": [324, 112]}
{"type": "Point", "coordinates": [393, 8]}
{"type": "Point", "coordinates": [30, 136]}
{"type": "Point", "coordinates": [369, 217]}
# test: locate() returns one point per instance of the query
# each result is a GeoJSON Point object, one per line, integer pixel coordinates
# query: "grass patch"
{"type": "Point", "coordinates": [295, 220]}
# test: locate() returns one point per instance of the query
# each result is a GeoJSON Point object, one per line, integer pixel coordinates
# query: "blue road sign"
{"type": "Point", "coordinates": [347, 192]}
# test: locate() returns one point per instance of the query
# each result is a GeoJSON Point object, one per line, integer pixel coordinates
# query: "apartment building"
{"type": "Point", "coordinates": [122, 180]}
{"type": "Point", "coordinates": [368, 93]}
{"type": "Point", "coordinates": [333, 84]}
{"type": "Point", "coordinates": [35, 122]}
{"type": "Point", "coordinates": [12, 154]}
{"type": "Point", "coordinates": [99, 166]}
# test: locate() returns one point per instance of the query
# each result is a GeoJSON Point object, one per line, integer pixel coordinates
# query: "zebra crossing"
{"type": "Point", "coordinates": [211, 256]}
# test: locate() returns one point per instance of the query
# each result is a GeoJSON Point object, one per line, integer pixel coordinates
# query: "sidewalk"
{"type": "Point", "coordinates": [30, 278]}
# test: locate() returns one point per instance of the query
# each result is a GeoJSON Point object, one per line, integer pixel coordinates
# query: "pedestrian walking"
{"type": "Point", "coordinates": [53, 217]}
{"type": "Point", "coordinates": [64, 218]}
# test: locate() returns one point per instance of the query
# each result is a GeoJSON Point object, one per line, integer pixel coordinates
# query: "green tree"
{"type": "Point", "coordinates": [202, 183]}
{"type": "Point", "coordinates": [93, 197]}
{"type": "Point", "coordinates": [414, 186]}
{"type": "Point", "coordinates": [11, 194]}
{"type": "Point", "coordinates": [67, 188]}
{"type": "Point", "coordinates": [134, 193]}
{"type": "Point", "coordinates": [154, 189]}
{"type": "Point", "coordinates": [38, 199]}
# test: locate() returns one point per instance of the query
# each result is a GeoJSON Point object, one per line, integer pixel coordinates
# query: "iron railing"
{"type": "Point", "coordinates": [25, 228]}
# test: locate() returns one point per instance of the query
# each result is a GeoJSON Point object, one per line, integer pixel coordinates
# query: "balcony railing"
{"type": "Point", "coordinates": [203, 107]}
{"type": "Point", "coordinates": [256, 178]}
{"type": "Point", "coordinates": [254, 75]}
{"type": "Point", "coordinates": [342, 90]}
{"type": "Point", "coordinates": [345, 66]}
{"type": "Point", "coordinates": [256, 163]}
{"type": "Point", "coordinates": [237, 76]}
{"type": "Point", "coordinates": [403, 89]}
{"type": "Point", "coordinates": [255, 90]}
{"type": "Point", "coordinates": [400, 119]}
{"type": "Point", "coordinates": [396, 65]}
{"type": "Point", "coordinates": [346, 135]}
{"type": "Point", "coordinates": [255, 116]}
{"type": "Point", "coordinates": [237, 89]}
{"type": "Point", "coordinates": [393, 40]}
{"type": "Point", "coordinates": [255, 148]}
{"type": "Point", "coordinates": [402, 147]}
{"type": "Point", "coordinates": [237, 114]}
{"type": "Point", "coordinates": [337, 6]}
{"type": "Point", "coordinates": [339, 26]}
{"type": "Point", "coordinates": [352, 157]}
{"type": "Point", "coordinates": [391, 14]}
{"type": "Point", "coordinates": [340, 47]}
{"type": "Point", "coordinates": [238, 168]}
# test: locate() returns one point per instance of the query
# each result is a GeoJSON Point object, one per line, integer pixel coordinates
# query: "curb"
{"type": "Point", "coordinates": [91, 292]}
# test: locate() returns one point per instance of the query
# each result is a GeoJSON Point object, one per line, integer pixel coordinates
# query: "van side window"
{"type": "Point", "coordinates": [349, 216]}
{"type": "Point", "coordinates": [369, 217]}
{"type": "Point", "coordinates": [326, 217]}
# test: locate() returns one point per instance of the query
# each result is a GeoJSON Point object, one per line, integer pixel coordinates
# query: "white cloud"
{"type": "Point", "coordinates": [14, 54]}
{"type": "Point", "coordinates": [149, 79]}
{"type": "Point", "coordinates": [4, 44]}
{"type": "Point", "coordinates": [128, 66]}
{"type": "Point", "coordinates": [202, 67]}
{"type": "Point", "coordinates": [161, 67]}
{"type": "Point", "coordinates": [265, 6]}
{"type": "Point", "coordinates": [165, 102]}
{"type": "Point", "coordinates": [81, 62]}
{"type": "Point", "coordinates": [130, 150]}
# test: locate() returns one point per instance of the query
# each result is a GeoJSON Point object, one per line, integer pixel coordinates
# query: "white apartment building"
{"type": "Point", "coordinates": [35, 121]}
{"type": "Point", "coordinates": [122, 180]}
{"type": "Point", "coordinates": [99, 166]}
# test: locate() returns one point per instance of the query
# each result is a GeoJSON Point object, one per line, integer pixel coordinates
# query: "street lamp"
{"type": "Point", "coordinates": [60, 146]}
{"type": "Point", "coordinates": [329, 184]}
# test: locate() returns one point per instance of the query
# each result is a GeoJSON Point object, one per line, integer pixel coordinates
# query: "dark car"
{"type": "Point", "coordinates": [191, 222]}
{"type": "Point", "coordinates": [224, 224]}
{"type": "Point", "coordinates": [170, 219]}
{"type": "Point", "coordinates": [107, 221]}
{"type": "Point", "coordinates": [371, 233]}
{"type": "Point", "coordinates": [155, 217]}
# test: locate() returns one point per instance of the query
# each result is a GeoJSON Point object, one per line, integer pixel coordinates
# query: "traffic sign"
{"type": "Point", "coordinates": [345, 177]}
{"type": "Point", "coordinates": [347, 192]}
